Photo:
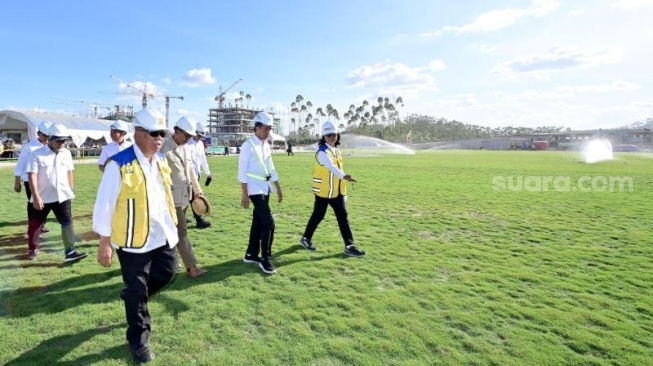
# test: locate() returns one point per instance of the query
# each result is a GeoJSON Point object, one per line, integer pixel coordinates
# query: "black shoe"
{"type": "Point", "coordinates": [307, 244]}
{"type": "Point", "coordinates": [352, 251]}
{"type": "Point", "coordinates": [267, 267]}
{"type": "Point", "coordinates": [123, 294]}
{"type": "Point", "coordinates": [203, 224]}
{"type": "Point", "coordinates": [142, 355]}
{"type": "Point", "coordinates": [251, 259]}
{"type": "Point", "coordinates": [74, 255]}
{"type": "Point", "coordinates": [32, 254]}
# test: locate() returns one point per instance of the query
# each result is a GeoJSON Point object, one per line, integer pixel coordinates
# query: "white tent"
{"type": "Point", "coordinates": [276, 137]}
{"type": "Point", "coordinates": [80, 128]}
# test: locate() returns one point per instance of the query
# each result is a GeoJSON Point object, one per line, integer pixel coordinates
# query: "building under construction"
{"type": "Point", "coordinates": [231, 126]}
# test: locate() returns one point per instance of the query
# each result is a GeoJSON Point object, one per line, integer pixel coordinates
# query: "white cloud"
{"type": "Point", "coordinates": [632, 4]}
{"type": "Point", "coordinates": [197, 77]}
{"type": "Point", "coordinates": [395, 76]}
{"type": "Point", "coordinates": [167, 81]}
{"type": "Point", "coordinates": [181, 111]}
{"type": "Point", "coordinates": [483, 48]}
{"type": "Point", "coordinates": [569, 91]}
{"type": "Point", "coordinates": [557, 59]}
{"type": "Point", "coordinates": [499, 18]}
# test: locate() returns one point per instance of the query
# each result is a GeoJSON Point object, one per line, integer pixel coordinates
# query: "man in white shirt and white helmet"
{"type": "Point", "coordinates": [118, 143]}
{"type": "Point", "coordinates": [20, 173]}
{"type": "Point", "coordinates": [50, 175]}
{"type": "Point", "coordinates": [258, 179]}
{"type": "Point", "coordinates": [185, 187]}
{"type": "Point", "coordinates": [135, 214]}
{"type": "Point", "coordinates": [199, 162]}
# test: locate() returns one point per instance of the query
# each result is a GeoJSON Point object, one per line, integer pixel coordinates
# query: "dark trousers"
{"type": "Point", "coordinates": [144, 275]}
{"type": "Point", "coordinates": [261, 234]}
{"type": "Point", "coordinates": [36, 219]}
{"type": "Point", "coordinates": [319, 210]}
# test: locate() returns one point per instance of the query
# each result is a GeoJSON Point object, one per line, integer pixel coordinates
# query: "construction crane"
{"type": "Point", "coordinates": [152, 96]}
{"type": "Point", "coordinates": [220, 97]}
{"type": "Point", "coordinates": [142, 91]}
{"type": "Point", "coordinates": [93, 105]}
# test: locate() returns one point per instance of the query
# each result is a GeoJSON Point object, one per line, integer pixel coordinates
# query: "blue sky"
{"type": "Point", "coordinates": [581, 64]}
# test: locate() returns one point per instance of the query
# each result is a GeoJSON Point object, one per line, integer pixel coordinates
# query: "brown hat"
{"type": "Point", "coordinates": [201, 206]}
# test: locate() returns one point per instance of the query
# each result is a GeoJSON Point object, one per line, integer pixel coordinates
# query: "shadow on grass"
{"type": "Point", "coordinates": [13, 240]}
{"type": "Point", "coordinates": [62, 295]}
{"type": "Point", "coordinates": [51, 351]}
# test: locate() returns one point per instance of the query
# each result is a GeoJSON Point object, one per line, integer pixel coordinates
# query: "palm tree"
{"type": "Point", "coordinates": [248, 97]}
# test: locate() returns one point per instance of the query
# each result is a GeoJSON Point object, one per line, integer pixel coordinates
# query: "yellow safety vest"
{"type": "Point", "coordinates": [130, 224]}
{"type": "Point", "coordinates": [325, 183]}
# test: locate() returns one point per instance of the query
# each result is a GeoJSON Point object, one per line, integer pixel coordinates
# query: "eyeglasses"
{"type": "Point", "coordinates": [59, 141]}
{"type": "Point", "coordinates": [160, 133]}
{"type": "Point", "coordinates": [330, 135]}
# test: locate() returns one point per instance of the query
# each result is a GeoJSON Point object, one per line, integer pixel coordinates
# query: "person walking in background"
{"type": "Point", "coordinates": [135, 213]}
{"type": "Point", "coordinates": [289, 149]}
{"type": "Point", "coordinates": [20, 173]}
{"type": "Point", "coordinates": [50, 176]}
{"type": "Point", "coordinates": [258, 178]}
{"type": "Point", "coordinates": [330, 189]}
{"type": "Point", "coordinates": [118, 143]}
{"type": "Point", "coordinates": [198, 152]}
{"type": "Point", "coordinates": [185, 187]}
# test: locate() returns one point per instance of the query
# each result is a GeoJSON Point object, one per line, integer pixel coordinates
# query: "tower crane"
{"type": "Point", "coordinates": [142, 91]}
{"type": "Point", "coordinates": [150, 95]}
{"type": "Point", "coordinates": [220, 97]}
{"type": "Point", "coordinates": [93, 105]}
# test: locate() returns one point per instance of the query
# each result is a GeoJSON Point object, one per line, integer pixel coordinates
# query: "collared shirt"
{"type": "Point", "coordinates": [23, 159]}
{"type": "Point", "coordinates": [51, 171]}
{"type": "Point", "coordinates": [249, 163]}
{"type": "Point", "coordinates": [111, 149]}
{"type": "Point", "coordinates": [162, 225]}
{"type": "Point", "coordinates": [324, 159]}
{"type": "Point", "coordinates": [199, 157]}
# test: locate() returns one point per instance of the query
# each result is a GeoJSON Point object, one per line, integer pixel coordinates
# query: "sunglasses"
{"type": "Point", "coordinates": [330, 135]}
{"type": "Point", "coordinates": [160, 133]}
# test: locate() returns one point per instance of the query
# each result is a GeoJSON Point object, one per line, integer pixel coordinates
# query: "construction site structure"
{"type": "Point", "coordinates": [232, 125]}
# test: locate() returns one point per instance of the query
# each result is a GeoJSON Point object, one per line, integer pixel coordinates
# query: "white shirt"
{"type": "Point", "coordinates": [51, 174]}
{"type": "Point", "coordinates": [249, 163]}
{"type": "Point", "coordinates": [23, 159]}
{"type": "Point", "coordinates": [111, 149]}
{"type": "Point", "coordinates": [162, 225]}
{"type": "Point", "coordinates": [323, 158]}
{"type": "Point", "coordinates": [198, 156]}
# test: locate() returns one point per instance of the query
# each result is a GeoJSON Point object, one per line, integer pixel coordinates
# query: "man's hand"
{"type": "Point", "coordinates": [279, 195]}
{"type": "Point", "coordinates": [17, 186]}
{"type": "Point", "coordinates": [105, 252]}
{"type": "Point", "coordinates": [349, 178]}
{"type": "Point", "coordinates": [37, 203]}
{"type": "Point", "coordinates": [244, 200]}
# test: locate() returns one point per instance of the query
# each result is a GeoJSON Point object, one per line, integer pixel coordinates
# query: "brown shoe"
{"type": "Point", "coordinates": [195, 272]}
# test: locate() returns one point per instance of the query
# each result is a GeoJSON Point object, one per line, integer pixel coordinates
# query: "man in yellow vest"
{"type": "Point", "coordinates": [330, 189]}
{"type": "Point", "coordinates": [135, 214]}
{"type": "Point", "coordinates": [184, 187]}
{"type": "Point", "coordinates": [258, 178]}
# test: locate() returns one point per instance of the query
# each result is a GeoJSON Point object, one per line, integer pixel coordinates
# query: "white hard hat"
{"type": "Point", "coordinates": [43, 127]}
{"type": "Point", "coordinates": [58, 132]}
{"type": "Point", "coordinates": [328, 127]}
{"type": "Point", "coordinates": [150, 119]}
{"type": "Point", "coordinates": [187, 125]}
{"type": "Point", "coordinates": [200, 129]}
{"type": "Point", "coordinates": [119, 125]}
{"type": "Point", "coordinates": [263, 118]}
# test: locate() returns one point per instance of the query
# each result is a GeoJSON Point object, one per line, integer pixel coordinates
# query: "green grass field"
{"type": "Point", "coordinates": [458, 272]}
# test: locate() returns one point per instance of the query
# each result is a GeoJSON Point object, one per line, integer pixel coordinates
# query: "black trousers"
{"type": "Point", "coordinates": [319, 210]}
{"type": "Point", "coordinates": [144, 275]}
{"type": "Point", "coordinates": [36, 219]}
{"type": "Point", "coordinates": [261, 233]}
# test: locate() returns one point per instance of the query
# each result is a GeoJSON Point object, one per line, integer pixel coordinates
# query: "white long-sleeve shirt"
{"type": "Point", "coordinates": [199, 157]}
{"type": "Point", "coordinates": [111, 149]}
{"type": "Point", "coordinates": [162, 226]}
{"type": "Point", "coordinates": [249, 163]}
{"type": "Point", "coordinates": [323, 158]}
{"type": "Point", "coordinates": [23, 159]}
